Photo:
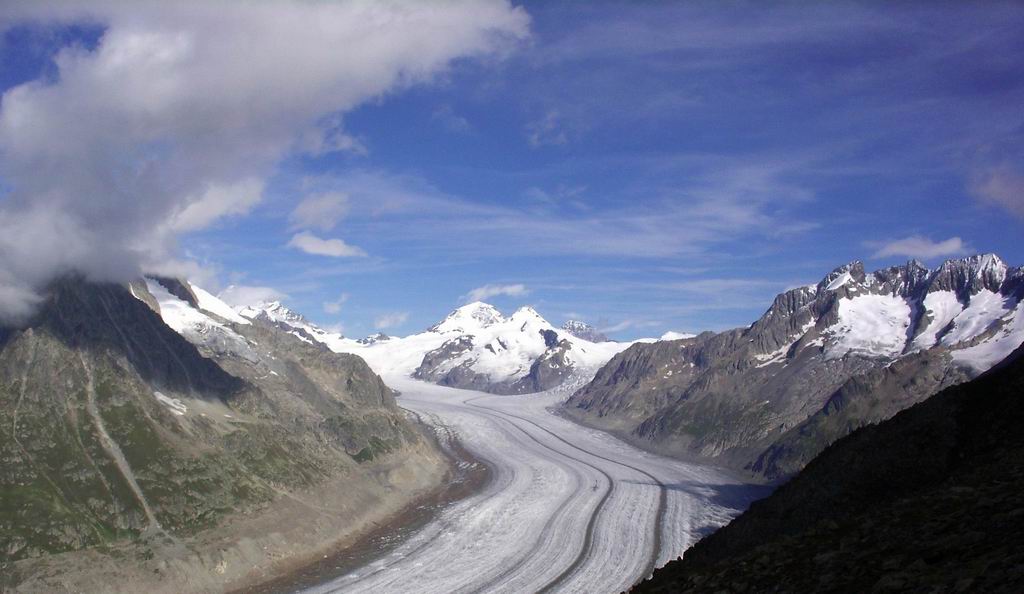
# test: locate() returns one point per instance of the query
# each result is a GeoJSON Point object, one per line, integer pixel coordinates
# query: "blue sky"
{"type": "Point", "coordinates": [644, 167]}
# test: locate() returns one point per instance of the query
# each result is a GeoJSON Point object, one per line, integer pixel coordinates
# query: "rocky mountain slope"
{"type": "Point", "coordinates": [931, 500]}
{"type": "Point", "coordinates": [474, 347]}
{"type": "Point", "coordinates": [824, 359]}
{"type": "Point", "coordinates": [137, 418]}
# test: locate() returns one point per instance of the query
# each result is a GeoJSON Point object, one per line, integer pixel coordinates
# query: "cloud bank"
{"type": "Point", "coordinates": [391, 320]}
{"type": "Point", "coordinates": [334, 307]}
{"type": "Point", "coordinates": [179, 114]}
{"type": "Point", "coordinates": [335, 248]}
{"type": "Point", "coordinates": [242, 295]}
{"type": "Point", "coordinates": [320, 211]}
{"type": "Point", "coordinates": [1001, 186]}
{"type": "Point", "coordinates": [922, 248]}
{"type": "Point", "coordinates": [488, 291]}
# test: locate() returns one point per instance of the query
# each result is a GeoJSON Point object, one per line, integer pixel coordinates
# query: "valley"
{"type": "Point", "coordinates": [534, 496]}
{"type": "Point", "coordinates": [568, 509]}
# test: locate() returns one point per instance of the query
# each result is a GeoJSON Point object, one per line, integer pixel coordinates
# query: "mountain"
{"type": "Point", "coordinates": [474, 347]}
{"type": "Point", "coordinates": [151, 421]}
{"type": "Point", "coordinates": [520, 354]}
{"type": "Point", "coordinates": [584, 330]}
{"type": "Point", "coordinates": [931, 500]}
{"type": "Point", "coordinates": [824, 359]}
{"type": "Point", "coordinates": [374, 338]}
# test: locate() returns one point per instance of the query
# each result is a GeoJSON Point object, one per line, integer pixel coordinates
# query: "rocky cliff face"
{"type": "Point", "coordinates": [930, 500]}
{"type": "Point", "coordinates": [134, 415]}
{"type": "Point", "coordinates": [823, 360]}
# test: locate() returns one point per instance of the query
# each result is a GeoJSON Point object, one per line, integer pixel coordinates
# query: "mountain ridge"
{"type": "Point", "coordinates": [767, 397]}
{"type": "Point", "coordinates": [475, 346]}
{"type": "Point", "coordinates": [139, 422]}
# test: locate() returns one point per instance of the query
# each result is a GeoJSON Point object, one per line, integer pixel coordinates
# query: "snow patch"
{"type": "Point", "coordinates": [215, 306]}
{"type": "Point", "coordinates": [983, 356]}
{"type": "Point", "coordinates": [197, 327]}
{"type": "Point", "coordinates": [672, 335]}
{"type": "Point", "coordinates": [175, 405]}
{"type": "Point", "coordinates": [873, 325]}
{"type": "Point", "coordinates": [943, 307]}
{"type": "Point", "coordinates": [839, 281]}
{"type": "Point", "coordinates": [981, 312]}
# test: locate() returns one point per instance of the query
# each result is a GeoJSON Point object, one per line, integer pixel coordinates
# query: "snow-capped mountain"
{"type": "Point", "coordinates": [584, 330]}
{"type": "Point", "coordinates": [386, 355]}
{"type": "Point", "coordinates": [522, 353]}
{"type": "Point", "coordinates": [969, 306]}
{"type": "Point", "coordinates": [201, 318]}
{"type": "Point", "coordinates": [770, 396]}
{"type": "Point", "coordinates": [274, 312]}
{"type": "Point", "coordinates": [469, 318]}
{"type": "Point", "coordinates": [475, 346]}
{"type": "Point", "coordinates": [374, 338]}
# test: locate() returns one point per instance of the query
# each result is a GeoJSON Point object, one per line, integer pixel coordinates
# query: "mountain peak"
{"type": "Point", "coordinates": [374, 338]}
{"type": "Point", "coordinates": [852, 271]}
{"type": "Point", "coordinates": [970, 274]}
{"type": "Point", "coordinates": [581, 329]}
{"type": "Point", "coordinates": [982, 264]}
{"type": "Point", "coordinates": [275, 311]}
{"type": "Point", "coordinates": [471, 316]}
{"type": "Point", "coordinates": [526, 311]}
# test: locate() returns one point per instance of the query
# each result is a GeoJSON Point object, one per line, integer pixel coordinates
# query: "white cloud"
{"type": "Point", "coordinates": [334, 307]}
{"type": "Point", "coordinates": [546, 130]}
{"type": "Point", "coordinates": [203, 275]}
{"type": "Point", "coordinates": [16, 302]}
{"type": "Point", "coordinates": [451, 120]}
{"type": "Point", "coordinates": [320, 211]}
{"type": "Point", "coordinates": [242, 295]}
{"type": "Point", "coordinates": [488, 291]}
{"type": "Point", "coordinates": [335, 248]}
{"type": "Point", "coordinates": [917, 246]}
{"type": "Point", "coordinates": [335, 328]}
{"type": "Point", "coordinates": [391, 320]}
{"type": "Point", "coordinates": [1000, 186]}
{"type": "Point", "coordinates": [722, 200]}
{"type": "Point", "coordinates": [630, 323]}
{"type": "Point", "coordinates": [218, 201]}
{"type": "Point", "coordinates": [181, 112]}
{"type": "Point", "coordinates": [562, 195]}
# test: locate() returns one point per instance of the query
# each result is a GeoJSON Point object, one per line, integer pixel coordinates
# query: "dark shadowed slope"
{"type": "Point", "coordinates": [931, 500]}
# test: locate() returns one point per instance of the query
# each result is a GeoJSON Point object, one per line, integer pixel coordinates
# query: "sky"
{"type": "Point", "coordinates": [644, 167]}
